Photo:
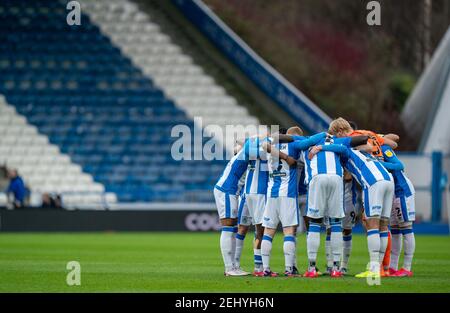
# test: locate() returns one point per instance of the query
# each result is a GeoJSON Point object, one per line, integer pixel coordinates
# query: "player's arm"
{"type": "Point", "coordinates": [283, 138]}
{"type": "Point", "coordinates": [304, 144]}
{"type": "Point", "coordinates": [276, 153]}
{"type": "Point", "coordinates": [353, 141]}
{"type": "Point", "coordinates": [392, 166]}
{"type": "Point", "coordinates": [390, 143]}
{"type": "Point", "coordinates": [365, 148]}
{"type": "Point", "coordinates": [339, 149]}
{"type": "Point", "coordinates": [391, 161]}
{"type": "Point", "coordinates": [393, 137]}
{"type": "Point", "coordinates": [386, 141]}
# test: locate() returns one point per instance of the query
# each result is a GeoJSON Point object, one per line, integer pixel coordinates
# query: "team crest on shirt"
{"type": "Point", "coordinates": [389, 154]}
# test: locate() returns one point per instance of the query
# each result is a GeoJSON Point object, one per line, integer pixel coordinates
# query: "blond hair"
{"type": "Point", "coordinates": [339, 126]}
{"type": "Point", "coordinates": [295, 130]}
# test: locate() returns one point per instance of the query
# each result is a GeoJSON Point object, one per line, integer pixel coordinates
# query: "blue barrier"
{"type": "Point", "coordinates": [436, 189]}
{"type": "Point", "coordinates": [295, 103]}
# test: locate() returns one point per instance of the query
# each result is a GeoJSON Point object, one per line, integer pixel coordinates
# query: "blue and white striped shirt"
{"type": "Point", "coordinates": [257, 172]}
{"type": "Point", "coordinates": [365, 168]}
{"type": "Point", "coordinates": [283, 179]}
{"type": "Point", "coordinates": [325, 162]}
{"type": "Point", "coordinates": [403, 186]}
{"type": "Point", "coordinates": [231, 181]}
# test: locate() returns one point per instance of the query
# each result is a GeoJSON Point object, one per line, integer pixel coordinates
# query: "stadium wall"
{"type": "Point", "coordinates": [302, 109]}
{"type": "Point", "coordinates": [32, 220]}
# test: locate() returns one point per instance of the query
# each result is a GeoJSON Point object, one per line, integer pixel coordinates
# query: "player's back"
{"type": "Point", "coordinates": [282, 177]}
{"type": "Point", "coordinates": [324, 162]}
{"type": "Point", "coordinates": [365, 168]}
{"type": "Point", "coordinates": [257, 171]}
{"type": "Point", "coordinates": [233, 172]}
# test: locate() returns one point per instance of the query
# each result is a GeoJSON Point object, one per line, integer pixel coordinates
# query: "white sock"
{"type": "Point", "coordinates": [347, 249]}
{"type": "Point", "coordinates": [226, 246]}
{"type": "Point", "coordinates": [258, 260]}
{"type": "Point", "coordinates": [295, 253]}
{"type": "Point", "coordinates": [396, 247]}
{"type": "Point", "coordinates": [266, 249]}
{"type": "Point", "coordinates": [239, 246]}
{"type": "Point", "coordinates": [289, 252]}
{"type": "Point", "coordinates": [383, 244]}
{"type": "Point", "coordinates": [336, 244]}
{"type": "Point", "coordinates": [328, 253]}
{"type": "Point", "coordinates": [233, 244]}
{"type": "Point", "coordinates": [373, 244]}
{"type": "Point", "coordinates": [410, 246]}
{"type": "Point", "coordinates": [313, 243]}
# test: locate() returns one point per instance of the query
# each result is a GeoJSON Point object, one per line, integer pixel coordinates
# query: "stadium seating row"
{"type": "Point", "coordinates": [88, 103]}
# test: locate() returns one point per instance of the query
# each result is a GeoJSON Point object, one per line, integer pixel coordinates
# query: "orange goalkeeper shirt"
{"type": "Point", "coordinates": [374, 139]}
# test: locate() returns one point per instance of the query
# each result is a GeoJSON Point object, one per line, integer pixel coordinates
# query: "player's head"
{"type": "Point", "coordinates": [295, 131]}
{"type": "Point", "coordinates": [283, 130]}
{"type": "Point", "coordinates": [340, 127]}
{"type": "Point", "coordinates": [353, 125]}
{"type": "Point", "coordinates": [12, 173]}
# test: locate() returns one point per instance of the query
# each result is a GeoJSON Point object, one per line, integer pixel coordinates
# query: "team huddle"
{"type": "Point", "coordinates": [331, 179]}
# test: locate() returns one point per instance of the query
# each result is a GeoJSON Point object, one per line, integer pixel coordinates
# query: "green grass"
{"type": "Point", "coordinates": [188, 262]}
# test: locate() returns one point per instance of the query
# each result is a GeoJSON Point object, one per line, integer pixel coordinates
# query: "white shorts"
{"type": "Point", "coordinates": [302, 204]}
{"type": "Point", "coordinates": [227, 204]}
{"type": "Point", "coordinates": [281, 209]}
{"type": "Point", "coordinates": [377, 199]}
{"type": "Point", "coordinates": [244, 217]}
{"type": "Point", "coordinates": [403, 210]}
{"type": "Point", "coordinates": [325, 196]}
{"type": "Point", "coordinates": [256, 204]}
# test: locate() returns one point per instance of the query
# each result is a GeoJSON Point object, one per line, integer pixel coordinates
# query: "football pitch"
{"type": "Point", "coordinates": [189, 262]}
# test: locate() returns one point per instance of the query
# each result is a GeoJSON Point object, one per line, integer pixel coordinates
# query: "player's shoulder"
{"type": "Point", "coordinates": [387, 151]}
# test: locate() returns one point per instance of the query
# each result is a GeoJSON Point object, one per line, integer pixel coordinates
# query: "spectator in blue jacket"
{"type": "Point", "coordinates": [16, 188]}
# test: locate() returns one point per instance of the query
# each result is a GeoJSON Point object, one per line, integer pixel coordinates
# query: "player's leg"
{"type": "Point", "coordinates": [315, 209]}
{"type": "Point", "coordinates": [289, 217]}
{"type": "Point", "coordinates": [347, 249]}
{"type": "Point", "coordinates": [387, 254]}
{"type": "Point", "coordinates": [406, 228]}
{"type": "Point", "coordinates": [270, 223]}
{"type": "Point", "coordinates": [335, 208]}
{"type": "Point", "coordinates": [396, 248]}
{"type": "Point", "coordinates": [266, 250]}
{"type": "Point", "coordinates": [227, 210]}
{"type": "Point", "coordinates": [301, 228]}
{"type": "Point", "coordinates": [256, 207]}
{"type": "Point", "coordinates": [383, 237]}
{"type": "Point", "coordinates": [386, 193]}
{"type": "Point", "coordinates": [259, 232]}
{"type": "Point", "coordinates": [372, 217]}
{"type": "Point", "coordinates": [396, 236]}
{"type": "Point", "coordinates": [348, 223]}
{"type": "Point", "coordinates": [328, 253]}
{"type": "Point", "coordinates": [240, 238]}
{"type": "Point", "coordinates": [409, 243]}
{"type": "Point", "coordinates": [228, 244]}
{"type": "Point", "coordinates": [244, 221]}
{"type": "Point", "coordinates": [289, 249]}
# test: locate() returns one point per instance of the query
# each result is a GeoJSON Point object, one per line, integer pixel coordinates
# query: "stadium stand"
{"type": "Point", "coordinates": [46, 169]}
{"type": "Point", "coordinates": [141, 39]}
{"type": "Point", "coordinates": [94, 120]}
